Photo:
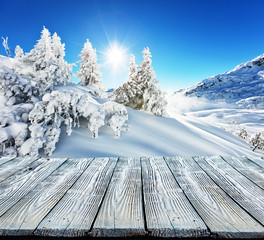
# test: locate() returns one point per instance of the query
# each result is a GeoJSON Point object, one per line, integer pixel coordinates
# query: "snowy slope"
{"type": "Point", "coordinates": [5, 63]}
{"type": "Point", "coordinates": [146, 134]}
{"type": "Point", "coordinates": [218, 114]}
{"type": "Point", "coordinates": [245, 82]}
{"type": "Point", "coordinates": [150, 135]}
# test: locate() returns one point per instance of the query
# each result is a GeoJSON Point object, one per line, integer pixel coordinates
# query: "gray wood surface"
{"type": "Point", "coordinates": [246, 193]}
{"type": "Point", "coordinates": [258, 160]}
{"type": "Point", "coordinates": [4, 160]}
{"type": "Point", "coordinates": [121, 213]}
{"type": "Point", "coordinates": [110, 197]}
{"type": "Point", "coordinates": [26, 214]}
{"type": "Point", "coordinates": [168, 211]}
{"type": "Point", "coordinates": [10, 167]}
{"type": "Point", "coordinates": [75, 212]}
{"type": "Point", "coordinates": [17, 186]}
{"type": "Point", "coordinates": [248, 168]}
{"type": "Point", "coordinates": [222, 215]}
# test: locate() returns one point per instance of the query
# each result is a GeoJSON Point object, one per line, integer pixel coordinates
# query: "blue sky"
{"type": "Point", "coordinates": [189, 39]}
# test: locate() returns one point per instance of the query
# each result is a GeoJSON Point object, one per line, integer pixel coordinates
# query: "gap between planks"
{"type": "Point", "coordinates": [163, 194]}
{"type": "Point", "coordinates": [75, 212]}
{"type": "Point", "coordinates": [241, 189]}
{"type": "Point", "coordinates": [222, 214]}
{"type": "Point", "coordinates": [24, 217]}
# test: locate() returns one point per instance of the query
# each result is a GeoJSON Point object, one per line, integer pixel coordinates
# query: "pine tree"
{"type": "Point", "coordinates": [89, 73]}
{"type": "Point", "coordinates": [257, 141]}
{"type": "Point", "coordinates": [58, 47]}
{"type": "Point", "coordinates": [62, 72]}
{"type": "Point", "coordinates": [47, 61]}
{"type": "Point", "coordinates": [132, 69]}
{"type": "Point", "coordinates": [19, 52]}
{"type": "Point", "coordinates": [141, 90]}
{"type": "Point", "coordinates": [153, 99]}
{"type": "Point", "coordinates": [126, 94]}
{"type": "Point", "coordinates": [41, 58]}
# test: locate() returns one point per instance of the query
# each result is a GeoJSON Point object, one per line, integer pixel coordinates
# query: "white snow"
{"type": "Point", "coordinates": [243, 82]}
{"type": "Point", "coordinates": [149, 135]}
{"type": "Point", "coordinates": [195, 127]}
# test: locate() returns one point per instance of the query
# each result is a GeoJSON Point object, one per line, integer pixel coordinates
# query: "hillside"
{"type": "Point", "coordinates": [149, 135]}
{"type": "Point", "coordinates": [143, 134]}
{"type": "Point", "coordinates": [244, 85]}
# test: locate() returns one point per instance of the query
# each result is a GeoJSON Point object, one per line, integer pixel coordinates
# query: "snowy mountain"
{"type": "Point", "coordinates": [63, 123]}
{"type": "Point", "coordinates": [243, 85]}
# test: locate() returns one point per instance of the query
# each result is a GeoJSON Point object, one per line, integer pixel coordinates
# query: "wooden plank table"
{"type": "Point", "coordinates": [221, 213]}
{"type": "Point", "coordinates": [121, 213]}
{"type": "Point", "coordinates": [168, 211]}
{"type": "Point", "coordinates": [132, 197]}
{"type": "Point", "coordinates": [241, 189]}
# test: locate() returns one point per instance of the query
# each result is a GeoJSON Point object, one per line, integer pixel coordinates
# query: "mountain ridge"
{"type": "Point", "coordinates": [244, 83]}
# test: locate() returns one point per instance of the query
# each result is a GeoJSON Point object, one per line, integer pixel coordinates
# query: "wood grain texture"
{"type": "Point", "coordinates": [246, 193]}
{"type": "Point", "coordinates": [258, 160]}
{"type": "Point", "coordinates": [18, 185]}
{"type": "Point", "coordinates": [12, 166]}
{"type": "Point", "coordinates": [25, 215]}
{"type": "Point", "coordinates": [121, 213]}
{"type": "Point", "coordinates": [168, 211]}
{"type": "Point", "coordinates": [4, 160]}
{"type": "Point", "coordinates": [248, 168]}
{"type": "Point", "coordinates": [76, 211]}
{"type": "Point", "coordinates": [222, 215]}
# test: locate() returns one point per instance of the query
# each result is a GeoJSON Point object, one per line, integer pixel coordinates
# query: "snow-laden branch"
{"type": "Point", "coordinates": [66, 107]}
{"type": "Point", "coordinates": [5, 44]}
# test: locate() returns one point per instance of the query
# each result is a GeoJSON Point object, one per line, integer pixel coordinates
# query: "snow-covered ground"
{"type": "Point", "coordinates": [244, 85]}
{"type": "Point", "coordinates": [194, 127]}
{"type": "Point", "coordinates": [148, 135]}
{"type": "Point", "coordinates": [220, 114]}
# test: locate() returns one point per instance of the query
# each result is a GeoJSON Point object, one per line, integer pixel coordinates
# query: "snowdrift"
{"type": "Point", "coordinates": [149, 135]}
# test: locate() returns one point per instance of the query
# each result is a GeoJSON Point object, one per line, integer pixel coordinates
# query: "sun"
{"type": "Point", "coordinates": [115, 55]}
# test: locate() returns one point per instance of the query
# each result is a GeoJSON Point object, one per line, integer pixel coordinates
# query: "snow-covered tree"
{"type": "Point", "coordinates": [47, 62]}
{"type": "Point", "coordinates": [41, 58]}
{"type": "Point", "coordinates": [128, 92]}
{"type": "Point", "coordinates": [58, 47]}
{"type": "Point", "coordinates": [66, 107]}
{"type": "Point", "coordinates": [55, 109]}
{"type": "Point", "coordinates": [89, 73]}
{"type": "Point", "coordinates": [63, 70]}
{"type": "Point", "coordinates": [141, 90]}
{"type": "Point", "coordinates": [19, 96]}
{"type": "Point", "coordinates": [155, 101]}
{"type": "Point", "coordinates": [116, 116]}
{"type": "Point", "coordinates": [242, 133]}
{"type": "Point", "coordinates": [257, 141]}
{"type": "Point", "coordinates": [153, 98]}
{"type": "Point", "coordinates": [19, 52]}
{"type": "Point", "coordinates": [17, 89]}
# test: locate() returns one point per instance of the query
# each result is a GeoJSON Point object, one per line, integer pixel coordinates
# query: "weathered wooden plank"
{"type": "Point", "coordinates": [121, 213]}
{"type": "Point", "coordinates": [247, 194]}
{"type": "Point", "coordinates": [12, 166]}
{"type": "Point", "coordinates": [257, 160]}
{"type": "Point", "coordinates": [4, 160]}
{"type": "Point", "coordinates": [25, 215]}
{"type": "Point", "coordinates": [222, 215]}
{"type": "Point", "coordinates": [18, 185]}
{"type": "Point", "coordinates": [168, 211]}
{"type": "Point", "coordinates": [248, 168]}
{"type": "Point", "coordinates": [76, 211]}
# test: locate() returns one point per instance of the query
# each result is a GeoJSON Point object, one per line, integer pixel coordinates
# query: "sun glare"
{"type": "Point", "coordinates": [115, 55]}
{"type": "Point", "coordinates": [115, 61]}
